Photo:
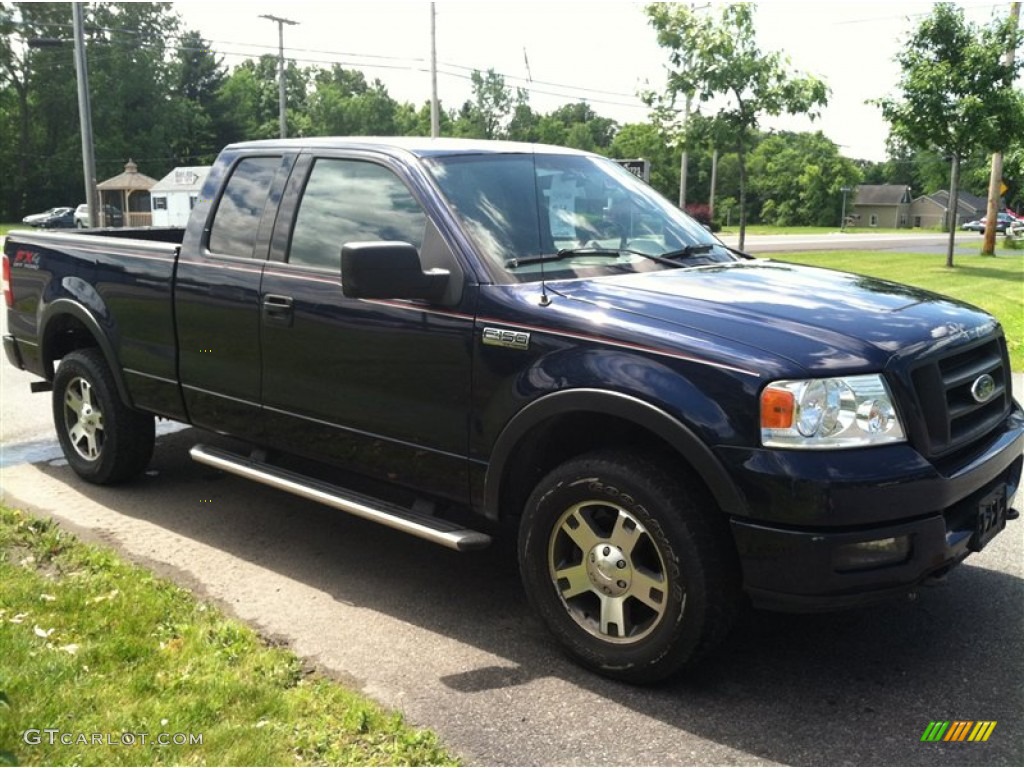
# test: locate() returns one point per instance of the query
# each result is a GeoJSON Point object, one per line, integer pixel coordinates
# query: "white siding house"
{"type": "Point", "coordinates": [175, 195]}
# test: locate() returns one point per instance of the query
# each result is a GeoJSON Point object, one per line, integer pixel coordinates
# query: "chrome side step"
{"type": "Point", "coordinates": [435, 530]}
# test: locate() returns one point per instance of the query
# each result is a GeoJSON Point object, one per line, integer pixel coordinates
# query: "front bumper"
{"type": "Point", "coordinates": [800, 560]}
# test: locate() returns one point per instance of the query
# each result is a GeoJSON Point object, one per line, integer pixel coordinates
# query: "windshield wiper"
{"type": "Point", "coordinates": [694, 249]}
{"type": "Point", "coordinates": [738, 252]}
{"type": "Point", "coordinates": [564, 253]}
{"type": "Point", "coordinates": [668, 258]}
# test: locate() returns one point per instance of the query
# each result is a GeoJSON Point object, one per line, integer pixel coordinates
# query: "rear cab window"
{"type": "Point", "coordinates": [240, 210]}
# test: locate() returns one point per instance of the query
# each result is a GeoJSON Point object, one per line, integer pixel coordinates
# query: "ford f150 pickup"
{"type": "Point", "coordinates": [505, 338]}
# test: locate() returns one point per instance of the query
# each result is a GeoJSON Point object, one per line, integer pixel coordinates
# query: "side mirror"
{"type": "Point", "coordinates": [389, 270]}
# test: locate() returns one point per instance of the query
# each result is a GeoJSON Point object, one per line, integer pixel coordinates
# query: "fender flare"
{"type": "Point", "coordinates": [676, 434]}
{"type": "Point", "coordinates": [61, 307]}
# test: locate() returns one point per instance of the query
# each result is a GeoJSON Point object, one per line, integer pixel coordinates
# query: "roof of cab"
{"type": "Point", "coordinates": [419, 146]}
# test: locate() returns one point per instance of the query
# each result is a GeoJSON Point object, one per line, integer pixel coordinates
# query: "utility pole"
{"type": "Point", "coordinates": [280, 67]}
{"type": "Point", "coordinates": [85, 115]}
{"type": "Point", "coordinates": [84, 105]}
{"type": "Point", "coordinates": [714, 184]}
{"type": "Point", "coordinates": [842, 218]}
{"type": "Point", "coordinates": [683, 162]}
{"type": "Point", "coordinates": [995, 179]}
{"type": "Point", "coordinates": [435, 115]}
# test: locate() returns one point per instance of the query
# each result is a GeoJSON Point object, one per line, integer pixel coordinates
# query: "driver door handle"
{"type": "Point", "coordinates": [277, 309]}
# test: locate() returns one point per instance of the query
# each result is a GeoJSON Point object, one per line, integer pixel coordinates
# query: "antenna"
{"type": "Point", "coordinates": [545, 300]}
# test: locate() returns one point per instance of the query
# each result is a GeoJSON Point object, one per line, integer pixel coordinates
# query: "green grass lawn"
{"type": "Point", "coordinates": [767, 229]}
{"type": "Point", "coordinates": [101, 651]}
{"type": "Point", "coordinates": [996, 284]}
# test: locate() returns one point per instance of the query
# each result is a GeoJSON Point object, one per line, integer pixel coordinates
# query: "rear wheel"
{"type": "Point", "coordinates": [628, 566]}
{"type": "Point", "coordinates": [103, 440]}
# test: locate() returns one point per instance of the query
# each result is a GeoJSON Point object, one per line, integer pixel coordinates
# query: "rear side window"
{"type": "Point", "coordinates": [347, 201]}
{"type": "Point", "coordinates": [241, 206]}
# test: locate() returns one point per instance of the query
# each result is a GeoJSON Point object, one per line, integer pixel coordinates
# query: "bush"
{"type": "Point", "coordinates": [702, 213]}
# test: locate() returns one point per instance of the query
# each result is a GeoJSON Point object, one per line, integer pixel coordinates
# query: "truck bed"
{"type": "Point", "coordinates": [120, 283]}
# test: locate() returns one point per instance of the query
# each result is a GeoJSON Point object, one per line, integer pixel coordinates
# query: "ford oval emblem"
{"type": "Point", "coordinates": [983, 388]}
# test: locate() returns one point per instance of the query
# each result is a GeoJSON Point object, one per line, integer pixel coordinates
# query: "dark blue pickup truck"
{"type": "Point", "coordinates": [502, 338]}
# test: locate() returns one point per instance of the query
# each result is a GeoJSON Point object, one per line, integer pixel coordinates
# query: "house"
{"type": "Point", "coordinates": [882, 205]}
{"type": "Point", "coordinates": [929, 211]}
{"type": "Point", "coordinates": [175, 195]}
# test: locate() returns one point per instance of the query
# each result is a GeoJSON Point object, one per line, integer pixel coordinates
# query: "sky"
{"type": "Point", "coordinates": [601, 52]}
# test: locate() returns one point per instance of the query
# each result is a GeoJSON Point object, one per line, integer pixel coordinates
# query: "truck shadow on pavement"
{"type": "Point", "coordinates": [857, 687]}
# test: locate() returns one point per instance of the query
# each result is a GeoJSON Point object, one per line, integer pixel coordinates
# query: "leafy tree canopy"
{"type": "Point", "coordinates": [955, 93]}
{"type": "Point", "coordinates": [717, 61]}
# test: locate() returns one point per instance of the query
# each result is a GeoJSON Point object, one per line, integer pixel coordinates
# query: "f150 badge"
{"type": "Point", "coordinates": [503, 337]}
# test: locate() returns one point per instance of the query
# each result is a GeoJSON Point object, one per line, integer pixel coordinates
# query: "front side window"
{"type": "Point", "coordinates": [567, 216]}
{"type": "Point", "coordinates": [241, 206]}
{"type": "Point", "coordinates": [349, 201]}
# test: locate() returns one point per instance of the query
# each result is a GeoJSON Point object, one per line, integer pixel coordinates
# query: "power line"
{"type": "Point", "coordinates": [417, 64]}
{"type": "Point", "coordinates": [567, 91]}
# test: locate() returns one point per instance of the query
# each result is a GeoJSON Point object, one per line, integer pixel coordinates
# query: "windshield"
{"type": "Point", "coordinates": [568, 215]}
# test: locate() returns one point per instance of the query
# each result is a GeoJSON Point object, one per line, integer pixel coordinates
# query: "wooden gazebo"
{"type": "Point", "coordinates": [125, 198]}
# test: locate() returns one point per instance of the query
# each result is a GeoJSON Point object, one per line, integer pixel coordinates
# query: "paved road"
{"type": "Point", "coordinates": [449, 639]}
{"type": "Point", "coordinates": [914, 242]}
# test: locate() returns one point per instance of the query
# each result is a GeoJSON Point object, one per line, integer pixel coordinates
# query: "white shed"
{"type": "Point", "coordinates": [175, 195]}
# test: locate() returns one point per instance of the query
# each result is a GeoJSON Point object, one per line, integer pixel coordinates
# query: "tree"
{"type": "Point", "coordinates": [130, 77]}
{"type": "Point", "coordinates": [645, 141]}
{"type": "Point", "coordinates": [344, 104]}
{"type": "Point", "coordinates": [523, 125]}
{"type": "Point", "coordinates": [798, 178]}
{"type": "Point", "coordinates": [487, 114]}
{"type": "Point", "coordinates": [130, 82]}
{"type": "Point", "coordinates": [955, 95]}
{"type": "Point", "coordinates": [252, 98]}
{"type": "Point", "coordinates": [1013, 171]}
{"type": "Point", "coordinates": [22, 127]}
{"type": "Point", "coordinates": [718, 62]}
{"type": "Point", "coordinates": [197, 79]}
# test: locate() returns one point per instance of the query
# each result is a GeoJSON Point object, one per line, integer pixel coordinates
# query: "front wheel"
{"type": "Point", "coordinates": [629, 567]}
{"type": "Point", "coordinates": [103, 440]}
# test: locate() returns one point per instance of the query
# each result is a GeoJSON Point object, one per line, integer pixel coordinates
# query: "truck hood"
{"type": "Point", "coordinates": [817, 318]}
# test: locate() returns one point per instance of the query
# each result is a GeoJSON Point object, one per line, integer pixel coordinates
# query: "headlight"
{"type": "Point", "coordinates": [847, 412]}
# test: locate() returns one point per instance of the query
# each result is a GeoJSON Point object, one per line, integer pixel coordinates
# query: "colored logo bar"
{"type": "Point", "coordinates": [959, 730]}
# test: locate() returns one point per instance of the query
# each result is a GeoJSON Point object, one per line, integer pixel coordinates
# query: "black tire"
{"type": "Point", "coordinates": [631, 568]}
{"type": "Point", "coordinates": [103, 440]}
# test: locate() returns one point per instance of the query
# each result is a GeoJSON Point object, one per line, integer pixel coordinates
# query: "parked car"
{"type": "Point", "coordinates": [111, 217]}
{"type": "Point", "coordinates": [33, 219]}
{"type": "Point", "coordinates": [61, 218]}
{"type": "Point", "coordinates": [1003, 220]}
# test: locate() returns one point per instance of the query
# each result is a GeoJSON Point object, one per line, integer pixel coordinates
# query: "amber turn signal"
{"type": "Point", "coordinates": [777, 406]}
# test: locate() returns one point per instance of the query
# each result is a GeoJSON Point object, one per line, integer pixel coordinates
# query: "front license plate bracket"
{"type": "Point", "coordinates": [991, 518]}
